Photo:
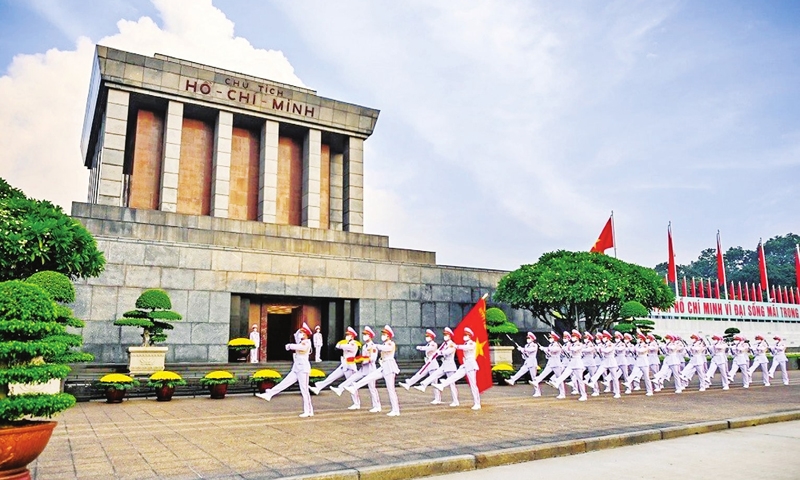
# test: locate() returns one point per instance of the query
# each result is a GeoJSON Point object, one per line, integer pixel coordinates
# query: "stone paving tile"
{"type": "Point", "coordinates": [245, 437]}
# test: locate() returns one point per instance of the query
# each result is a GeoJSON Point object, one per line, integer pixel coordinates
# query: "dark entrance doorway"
{"type": "Point", "coordinates": [280, 328]}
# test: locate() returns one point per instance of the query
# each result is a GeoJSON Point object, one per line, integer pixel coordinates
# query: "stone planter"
{"type": "Point", "coordinates": [164, 393]}
{"type": "Point", "coordinates": [53, 386]}
{"type": "Point", "coordinates": [218, 392]}
{"type": "Point", "coordinates": [501, 354]}
{"type": "Point", "coordinates": [146, 360]}
{"type": "Point", "coordinates": [21, 445]}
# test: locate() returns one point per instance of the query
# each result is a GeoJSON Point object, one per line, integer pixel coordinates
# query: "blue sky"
{"type": "Point", "coordinates": [507, 129]}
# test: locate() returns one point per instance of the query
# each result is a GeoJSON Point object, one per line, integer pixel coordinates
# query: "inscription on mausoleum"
{"type": "Point", "coordinates": [245, 92]}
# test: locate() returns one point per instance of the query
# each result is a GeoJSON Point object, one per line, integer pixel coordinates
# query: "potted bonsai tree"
{"type": "Point", "coordinates": [497, 326]}
{"type": "Point", "coordinates": [165, 382]}
{"type": "Point", "coordinates": [239, 349]}
{"type": "Point", "coordinates": [115, 385]}
{"type": "Point", "coordinates": [29, 335]}
{"type": "Point", "coordinates": [217, 383]}
{"type": "Point", "coordinates": [264, 379]}
{"type": "Point", "coordinates": [153, 316]}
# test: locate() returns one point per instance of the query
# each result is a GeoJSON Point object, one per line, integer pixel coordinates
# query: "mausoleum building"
{"type": "Point", "coordinates": [243, 199]}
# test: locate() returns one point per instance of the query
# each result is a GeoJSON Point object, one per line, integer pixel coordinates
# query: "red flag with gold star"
{"type": "Point", "coordinates": [476, 321]}
{"type": "Point", "coordinates": [606, 238]}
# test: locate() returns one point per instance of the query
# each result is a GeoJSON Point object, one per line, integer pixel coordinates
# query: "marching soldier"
{"type": "Point", "coordinates": [607, 365]}
{"type": "Point", "coordinates": [779, 359]}
{"type": "Point", "coordinates": [431, 350]}
{"type": "Point", "coordinates": [652, 353]}
{"type": "Point", "coordinates": [318, 344]}
{"type": "Point", "coordinates": [299, 373]}
{"type": "Point", "coordinates": [388, 370]}
{"type": "Point", "coordinates": [369, 355]}
{"type": "Point", "coordinates": [554, 365]}
{"type": "Point", "coordinates": [447, 369]}
{"type": "Point", "coordinates": [697, 362]}
{"type": "Point", "coordinates": [719, 360]}
{"type": "Point", "coordinates": [575, 367]}
{"type": "Point", "coordinates": [530, 364]}
{"type": "Point", "coordinates": [760, 359]}
{"type": "Point", "coordinates": [621, 355]}
{"type": "Point", "coordinates": [641, 366]}
{"type": "Point", "coordinates": [349, 347]}
{"type": "Point", "coordinates": [588, 355]}
{"type": "Point", "coordinates": [468, 368]}
{"type": "Point", "coordinates": [741, 360]}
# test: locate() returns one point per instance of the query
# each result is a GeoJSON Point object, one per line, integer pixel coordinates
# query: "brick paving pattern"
{"type": "Point", "coordinates": [243, 437]}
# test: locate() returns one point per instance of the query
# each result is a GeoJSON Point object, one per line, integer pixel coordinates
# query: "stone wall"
{"type": "Point", "coordinates": [200, 261]}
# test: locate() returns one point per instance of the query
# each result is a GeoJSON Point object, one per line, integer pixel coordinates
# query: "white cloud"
{"type": "Point", "coordinates": [44, 95]}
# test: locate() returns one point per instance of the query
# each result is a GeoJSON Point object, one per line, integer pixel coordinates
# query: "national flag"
{"type": "Point", "coordinates": [694, 288]}
{"type": "Point", "coordinates": [746, 292]}
{"type": "Point", "coordinates": [740, 291]}
{"type": "Point", "coordinates": [753, 295]}
{"type": "Point", "coordinates": [780, 295]}
{"type": "Point", "coordinates": [717, 288]}
{"type": "Point", "coordinates": [797, 264]}
{"type": "Point", "coordinates": [791, 296]}
{"type": "Point", "coordinates": [774, 297]}
{"type": "Point", "coordinates": [760, 294]}
{"type": "Point", "coordinates": [702, 293]}
{"type": "Point", "coordinates": [672, 271]}
{"type": "Point", "coordinates": [733, 291]}
{"type": "Point", "coordinates": [606, 238]}
{"type": "Point", "coordinates": [685, 292]}
{"type": "Point", "coordinates": [710, 295]}
{"type": "Point", "coordinates": [721, 265]}
{"type": "Point", "coordinates": [762, 266]}
{"type": "Point", "coordinates": [476, 321]}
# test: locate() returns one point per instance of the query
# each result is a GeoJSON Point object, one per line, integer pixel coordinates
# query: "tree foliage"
{"type": "Point", "coordinates": [633, 309]}
{"type": "Point", "coordinates": [152, 315]}
{"type": "Point", "coordinates": [497, 325]}
{"type": "Point", "coordinates": [563, 287]}
{"type": "Point", "coordinates": [741, 265]}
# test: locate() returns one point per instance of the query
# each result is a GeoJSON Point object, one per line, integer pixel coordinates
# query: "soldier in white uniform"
{"type": "Point", "coordinates": [672, 365]}
{"type": "Point", "coordinates": [431, 364]}
{"type": "Point", "coordinates": [388, 370]}
{"type": "Point", "coordinates": [255, 337]}
{"type": "Point", "coordinates": [760, 359]}
{"type": "Point", "coordinates": [652, 353]}
{"type": "Point", "coordinates": [369, 355]}
{"type": "Point", "coordinates": [607, 365]}
{"type": "Point", "coordinates": [575, 367]}
{"type": "Point", "coordinates": [468, 368]}
{"type": "Point", "coordinates": [641, 366]}
{"type": "Point", "coordinates": [299, 373]}
{"type": "Point", "coordinates": [719, 360]}
{"type": "Point", "coordinates": [697, 362]}
{"type": "Point", "coordinates": [317, 344]}
{"type": "Point", "coordinates": [589, 355]}
{"type": "Point", "coordinates": [779, 359]}
{"type": "Point", "coordinates": [621, 355]}
{"type": "Point", "coordinates": [530, 365]}
{"type": "Point", "coordinates": [347, 366]}
{"type": "Point", "coordinates": [448, 368]}
{"type": "Point", "coordinates": [554, 365]}
{"type": "Point", "coordinates": [741, 360]}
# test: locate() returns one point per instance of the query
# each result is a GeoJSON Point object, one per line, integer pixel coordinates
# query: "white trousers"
{"type": "Point", "coordinates": [745, 373]}
{"type": "Point", "coordinates": [577, 378]}
{"type": "Point", "coordinates": [373, 390]}
{"type": "Point", "coordinates": [639, 373]}
{"type": "Point", "coordinates": [436, 375]}
{"type": "Point", "coordinates": [525, 368]}
{"type": "Point", "coordinates": [302, 381]}
{"type": "Point", "coordinates": [782, 364]}
{"type": "Point", "coordinates": [318, 354]}
{"type": "Point", "coordinates": [764, 371]}
{"type": "Point", "coordinates": [421, 374]}
{"type": "Point", "coordinates": [336, 375]}
{"type": "Point", "coordinates": [557, 371]}
{"type": "Point", "coordinates": [471, 378]}
{"type": "Point", "coordinates": [691, 369]}
{"type": "Point", "coordinates": [613, 373]}
{"type": "Point", "coordinates": [389, 379]}
{"type": "Point", "coordinates": [723, 372]}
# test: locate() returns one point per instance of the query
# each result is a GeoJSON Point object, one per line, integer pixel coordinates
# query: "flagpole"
{"type": "Point", "coordinates": [763, 254]}
{"type": "Point", "coordinates": [669, 234]}
{"type": "Point", "coordinates": [724, 274]}
{"type": "Point", "coordinates": [614, 233]}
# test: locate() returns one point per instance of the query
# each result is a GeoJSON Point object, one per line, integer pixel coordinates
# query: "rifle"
{"type": "Point", "coordinates": [524, 355]}
{"type": "Point", "coordinates": [435, 354]}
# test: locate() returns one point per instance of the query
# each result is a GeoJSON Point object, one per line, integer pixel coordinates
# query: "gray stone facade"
{"type": "Point", "coordinates": [201, 261]}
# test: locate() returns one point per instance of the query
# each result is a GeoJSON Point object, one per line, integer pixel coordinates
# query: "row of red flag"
{"type": "Point", "coordinates": [704, 288]}
{"type": "Point", "coordinates": [606, 240]}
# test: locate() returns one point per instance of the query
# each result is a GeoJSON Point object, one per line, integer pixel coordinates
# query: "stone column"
{"type": "Point", "coordinates": [311, 178]}
{"type": "Point", "coordinates": [337, 189]}
{"type": "Point", "coordinates": [112, 156]}
{"type": "Point", "coordinates": [353, 215]}
{"type": "Point", "coordinates": [221, 177]}
{"type": "Point", "coordinates": [268, 173]}
{"type": "Point", "coordinates": [173, 129]}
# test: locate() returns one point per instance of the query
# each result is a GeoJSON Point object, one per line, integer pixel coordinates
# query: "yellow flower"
{"type": "Point", "coordinates": [165, 375]}
{"type": "Point", "coordinates": [116, 378]}
{"type": "Point", "coordinates": [503, 367]}
{"type": "Point", "coordinates": [218, 374]}
{"type": "Point", "coordinates": [242, 342]}
{"type": "Point", "coordinates": [266, 373]}
{"type": "Point", "coordinates": [315, 372]}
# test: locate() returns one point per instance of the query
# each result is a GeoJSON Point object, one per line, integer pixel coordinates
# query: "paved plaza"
{"type": "Point", "coordinates": [243, 437]}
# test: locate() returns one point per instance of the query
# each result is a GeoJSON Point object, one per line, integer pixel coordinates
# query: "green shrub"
{"type": "Point", "coordinates": [152, 315]}
{"type": "Point", "coordinates": [57, 285]}
{"type": "Point", "coordinates": [497, 325]}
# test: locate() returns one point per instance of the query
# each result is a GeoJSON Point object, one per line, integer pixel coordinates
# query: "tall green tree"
{"type": "Point", "coordinates": [741, 264]}
{"type": "Point", "coordinates": [36, 235]}
{"type": "Point", "coordinates": [564, 287]}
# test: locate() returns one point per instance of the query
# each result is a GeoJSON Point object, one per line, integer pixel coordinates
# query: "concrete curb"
{"type": "Point", "coordinates": [507, 456]}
